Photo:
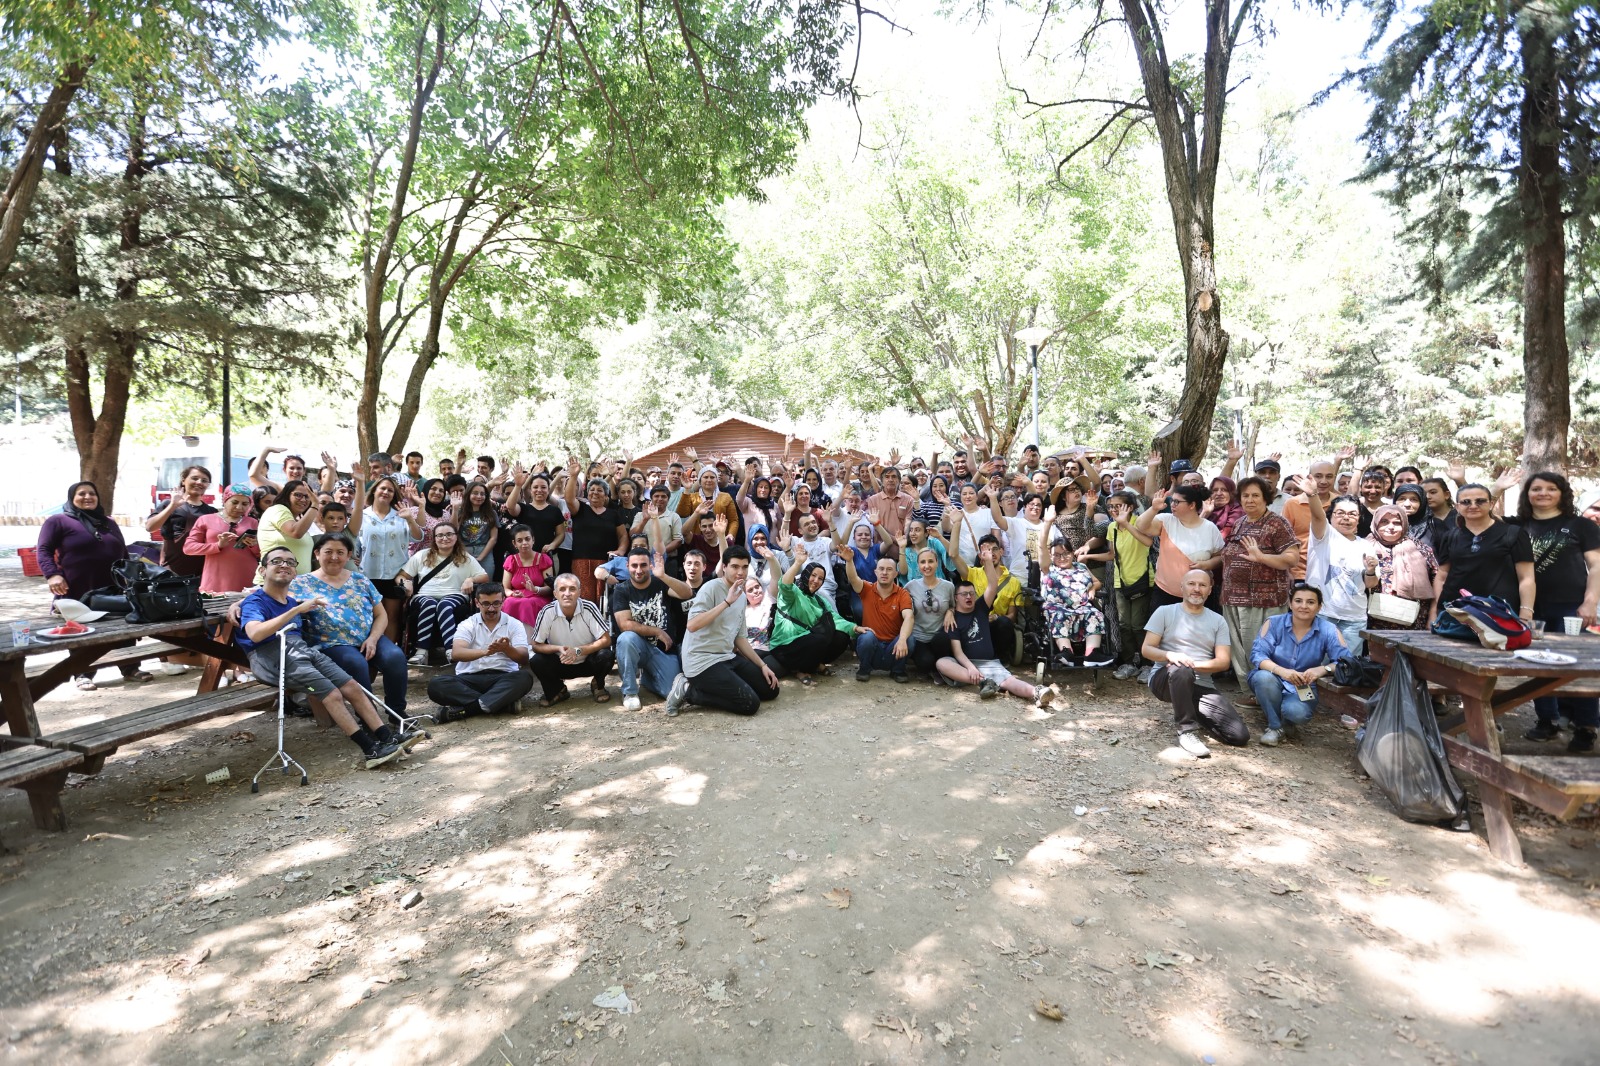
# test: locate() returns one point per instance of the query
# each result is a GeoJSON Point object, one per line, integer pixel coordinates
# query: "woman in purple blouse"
{"type": "Point", "coordinates": [77, 549]}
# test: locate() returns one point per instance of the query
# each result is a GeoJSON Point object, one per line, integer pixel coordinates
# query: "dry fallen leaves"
{"type": "Point", "coordinates": [1045, 1009]}
{"type": "Point", "coordinates": [837, 897]}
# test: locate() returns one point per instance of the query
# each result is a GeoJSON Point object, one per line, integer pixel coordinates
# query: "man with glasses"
{"type": "Point", "coordinates": [270, 615]}
{"type": "Point", "coordinates": [490, 650]}
{"type": "Point", "coordinates": [1483, 556]}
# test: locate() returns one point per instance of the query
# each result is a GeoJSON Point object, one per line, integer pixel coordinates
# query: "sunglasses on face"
{"type": "Point", "coordinates": [1474, 503]}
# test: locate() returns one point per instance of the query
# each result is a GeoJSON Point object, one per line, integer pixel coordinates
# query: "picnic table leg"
{"type": "Point", "coordinates": [44, 793]}
{"type": "Point", "coordinates": [214, 666]}
{"type": "Point", "coordinates": [44, 796]}
{"type": "Point", "coordinates": [1477, 706]}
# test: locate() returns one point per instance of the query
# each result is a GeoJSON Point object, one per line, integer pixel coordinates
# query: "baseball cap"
{"type": "Point", "coordinates": [1269, 464]}
{"type": "Point", "coordinates": [1181, 466]}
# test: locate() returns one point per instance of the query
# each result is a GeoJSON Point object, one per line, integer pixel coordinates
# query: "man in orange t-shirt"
{"type": "Point", "coordinates": [1297, 512]}
{"type": "Point", "coordinates": [883, 640]}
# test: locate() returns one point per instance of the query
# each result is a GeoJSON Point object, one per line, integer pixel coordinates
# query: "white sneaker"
{"type": "Point", "coordinates": [172, 669]}
{"type": "Point", "coordinates": [630, 703]}
{"type": "Point", "coordinates": [418, 658]}
{"type": "Point", "coordinates": [1191, 743]}
{"type": "Point", "coordinates": [1272, 738]}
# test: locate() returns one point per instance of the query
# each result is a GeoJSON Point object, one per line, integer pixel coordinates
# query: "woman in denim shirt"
{"type": "Point", "coordinates": [1291, 652]}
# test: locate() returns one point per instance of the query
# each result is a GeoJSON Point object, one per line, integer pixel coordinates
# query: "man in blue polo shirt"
{"type": "Point", "coordinates": [268, 616]}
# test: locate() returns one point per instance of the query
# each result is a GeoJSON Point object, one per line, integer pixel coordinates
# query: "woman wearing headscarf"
{"type": "Point", "coordinates": [808, 632]}
{"type": "Point", "coordinates": [226, 542]}
{"type": "Point", "coordinates": [1405, 566]}
{"type": "Point", "coordinates": [1224, 509]}
{"type": "Point", "coordinates": [758, 506]}
{"type": "Point", "coordinates": [1413, 503]}
{"type": "Point", "coordinates": [77, 549]}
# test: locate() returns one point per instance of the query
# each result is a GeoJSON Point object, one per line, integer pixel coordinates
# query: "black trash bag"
{"type": "Point", "coordinates": [1403, 753]}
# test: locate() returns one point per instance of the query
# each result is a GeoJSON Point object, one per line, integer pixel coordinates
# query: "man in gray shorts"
{"type": "Point", "coordinates": [270, 615]}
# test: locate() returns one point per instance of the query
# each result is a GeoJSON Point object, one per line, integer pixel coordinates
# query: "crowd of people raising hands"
{"type": "Point", "coordinates": [705, 580]}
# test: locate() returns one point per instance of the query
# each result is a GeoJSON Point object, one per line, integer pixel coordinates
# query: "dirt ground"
{"type": "Point", "coordinates": [860, 873]}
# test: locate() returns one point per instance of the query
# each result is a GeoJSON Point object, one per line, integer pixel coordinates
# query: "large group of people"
{"type": "Point", "coordinates": [705, 581]}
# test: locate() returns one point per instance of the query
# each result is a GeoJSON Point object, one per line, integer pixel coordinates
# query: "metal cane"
{"type": "Point", "coordinates": [404, 722]}
{"type": "Point", "coordinates": [281, 760]}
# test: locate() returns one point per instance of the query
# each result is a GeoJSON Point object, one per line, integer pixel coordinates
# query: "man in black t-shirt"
{"type": "Point", "coordinates": [647, 610]}
{"type": "Point", "coordinates": [972, 658]}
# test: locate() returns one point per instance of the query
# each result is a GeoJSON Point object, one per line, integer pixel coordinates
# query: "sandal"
{"type": "Point", "coordinates": [560, 697]}
{"type": "Point", "coordinates": [140, 676]}
{"type": "Point", "coordinates": [804, 679]}
{"type": "Point", "coordinates": [87, 684]}
{"type": "Point", "coordinates": [597, 689]}
{"type": "Point", "coordinates": [825, 670]}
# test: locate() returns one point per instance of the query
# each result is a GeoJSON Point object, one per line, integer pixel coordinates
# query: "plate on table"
{"type": "Point", "coordinates": [51, 634]}
{"type": "Point", "coordinates": [1544, 658]}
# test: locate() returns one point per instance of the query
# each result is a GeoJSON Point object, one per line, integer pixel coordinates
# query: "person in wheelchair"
{"type": "Point", "coordinates": [1068, 592]}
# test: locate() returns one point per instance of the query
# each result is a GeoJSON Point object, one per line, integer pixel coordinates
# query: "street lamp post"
{"type": "Point", "coordinates": [1035, 337]}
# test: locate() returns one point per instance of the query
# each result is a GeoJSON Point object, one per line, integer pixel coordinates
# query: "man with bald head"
{"type": "Point", "coordinates": [1298, 512]}
{"type": "Point", "coordinates": [1188, 644]}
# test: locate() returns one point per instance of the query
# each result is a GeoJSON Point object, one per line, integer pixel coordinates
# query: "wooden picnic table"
{"type": "Point", "coordinates": [112, 635]}
{"type": "Point", "coordinates": [1491, 683]}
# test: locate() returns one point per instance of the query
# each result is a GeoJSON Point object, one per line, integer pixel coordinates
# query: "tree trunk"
{"type": "Point", "coordinates": [17, 199]}
{"type": "Point", "coordinates": [1547, 401]}
{"type": "Point", "coordinates": [411, 399]}
{"type": "Point", "coordinates": [99, 436]}
{"type": "Point", "coordinates": [1190, 159]}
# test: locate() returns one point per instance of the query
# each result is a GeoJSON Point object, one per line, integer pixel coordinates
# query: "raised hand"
{"type": "Point", "coordinates": [1276, 457]}
{"type": "Point", "coordinates": [1456, 471]}
{"type": "Point", "coordinates": [1508, 479]}
{"type": "Point", "coordinates": [787, 503]}
{"type": "Point", "coordinates": [894, 456]}
{"type": "Point", "coordinates": [1345, 454]}
{"type": "Point", "coordinates": [1235, 451]}
{"type": "Point", "coordinates": [1153, 460]}
{"type": "Point", "coordinates": [721, 525]}
{"type": "Point", "coordinates": [694, 456]}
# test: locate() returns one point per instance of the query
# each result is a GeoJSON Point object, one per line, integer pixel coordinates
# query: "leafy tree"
{"type": "Point", "coordinates": [1486, 124]}
{"type": "Point", "coordinates": [55, 48]}
{"type": "Point", "coordinates": [1183, 99]}
{"type": "Point", "coordinates": [163, 238]}
{"type": "Point", "coordinates": [562, 156]}
{"type": "Point", "coordinates": [916, 275]}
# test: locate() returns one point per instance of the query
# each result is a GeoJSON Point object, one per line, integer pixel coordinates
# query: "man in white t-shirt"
{"type": "Point", "coordinates": [1189, 643]}
{"type": "Point", "coordinates": [490, 650]}
{"type": "Point", "coordinates": [816, 549]}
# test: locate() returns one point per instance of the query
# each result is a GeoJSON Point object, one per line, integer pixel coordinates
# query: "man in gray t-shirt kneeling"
{"type": "Point", "coordinates": [720, 667]}
{"type": "Point", "coordinates": [1188, 643]}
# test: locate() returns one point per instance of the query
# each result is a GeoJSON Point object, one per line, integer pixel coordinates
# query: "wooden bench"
{"type": "Point", "coordinates": [122, 657]}
{"type": "Point", "coordinates": [1559, 785]}
{"type": "Point", "coordinates": [1343, 699]}
{"type": "Point", "coordinates": [39, 771]}
{"type": "Point", "coordinates": [96, 740]}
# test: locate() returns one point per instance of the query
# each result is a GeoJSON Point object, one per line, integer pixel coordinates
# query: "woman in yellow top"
{"type": "Point", "coordinates": [288, 524]}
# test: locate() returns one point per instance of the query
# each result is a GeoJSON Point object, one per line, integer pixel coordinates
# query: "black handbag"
{"type": "Point", "coordinates": [108, 599]}
{"type": "Point", "coordinates": [156, 594]}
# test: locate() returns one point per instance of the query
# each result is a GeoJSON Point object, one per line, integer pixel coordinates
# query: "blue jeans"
{"type": "Point", "coordinates": [875, 654]}
{"type": "Point", "coordinates": [1582, 711]}
{"type": "Point", "coordinates": [1278, 705]}
{"type": "Point", "coordinates": [638, 659]}
{"type": "Point", "coordinates": [1351, 632]}
{"type": "Point", "coordinates": [390, 662]}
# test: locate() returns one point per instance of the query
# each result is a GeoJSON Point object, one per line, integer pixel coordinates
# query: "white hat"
{"type": "Point", "coordinates": [76, 611]}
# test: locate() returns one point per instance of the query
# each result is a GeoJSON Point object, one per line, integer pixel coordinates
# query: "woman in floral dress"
{"type": "Point", "coordinates": [1068, 590]}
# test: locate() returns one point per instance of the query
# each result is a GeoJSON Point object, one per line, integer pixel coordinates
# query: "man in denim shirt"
{"type": "Point", "coordinates": [1292, 651]}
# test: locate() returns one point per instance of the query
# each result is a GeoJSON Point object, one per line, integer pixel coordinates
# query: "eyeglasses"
{"type": "Point", "coordinates": [1473, 503]}
{"type": "Point", "coordinates": [286, 563]}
